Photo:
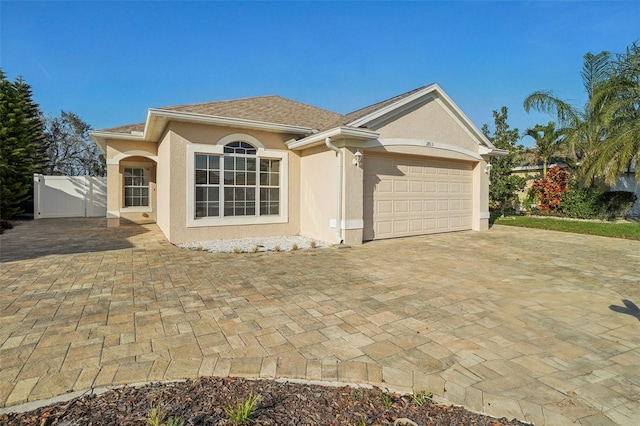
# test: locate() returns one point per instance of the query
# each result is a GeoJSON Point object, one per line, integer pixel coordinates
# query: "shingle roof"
{"type": "Point", "coordinates": [355, 115]}
{"type": "Point", "coordinates": [269, 109]}
{"type": "Point", "coordinates": [272, 109]}
{"type": "Point", "coordinates": [128, 128]}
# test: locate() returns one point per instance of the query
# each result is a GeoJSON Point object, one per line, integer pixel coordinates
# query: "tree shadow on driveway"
{"type": "Point", "coordinates": [629, 308]}
{"type": "Point", "coordinates": [37, 238]}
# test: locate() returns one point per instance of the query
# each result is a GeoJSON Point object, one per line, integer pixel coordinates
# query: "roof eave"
{"type": "Point", "coordinates": [367, 119]}
{"type": "Point", "coordinates": [155, 116]}
{"type": "Point", "coordinates": [100, 138]}
{"type": "Point", "coordinates": [157, 119]}
{"type": "Point", "coordinates": [336, 132]}
{"type": "Point", "coordinates": [493, 151]}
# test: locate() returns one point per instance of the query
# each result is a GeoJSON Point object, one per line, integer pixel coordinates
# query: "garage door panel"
{"type": "Point", "coordinates": [384, 207]}
{"type": "Point", "coordinates": [384, 186]}
{"type": "Point", "coordinates": [430, 225]}
{"type": "Point", "coordinates": [415, 225]}
{"type": "Point", "coordinates": [400, 186]}
{"type": "Point", "coordinates": [400, 206]}
{"type": "Point", "coordinates": [400, 226]}
{"type": "Point", "coordinates": [430, 187]}
{"type": "Point", "coordinates": [430, 206]}
{"type": "Point", "coordinates": [412, 197]}
{"type": "Point", "coordinates": [443, 223]}
{"type": "Point", "coordinates": [415, 170]}
{"type": "Point", "coordinates": [415, 186]}
{"type": "Point", "coordinates": [415, 206]}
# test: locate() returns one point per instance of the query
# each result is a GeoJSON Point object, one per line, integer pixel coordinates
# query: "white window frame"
{"type": "Point", "coordinates": [218, 149]}
{"type": "Point", "coordinates": [145, 171]}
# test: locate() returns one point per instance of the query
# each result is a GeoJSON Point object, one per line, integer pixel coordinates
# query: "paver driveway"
{"type": "Point", "coordinates": [537, 325]}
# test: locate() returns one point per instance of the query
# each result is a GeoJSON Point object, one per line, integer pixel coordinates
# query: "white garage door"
{"type": "Point", "coordinates": [408, 196]}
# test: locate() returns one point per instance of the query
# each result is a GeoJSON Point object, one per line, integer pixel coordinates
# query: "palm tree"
{"type": "Point", "coordinates": [582, 128]}
{"type": "Point", "coordinates": [548, 141]}
{"type": "Point", "coordinates": [618, 99]}
{"type": "Point", "coordinates": [605, 133]}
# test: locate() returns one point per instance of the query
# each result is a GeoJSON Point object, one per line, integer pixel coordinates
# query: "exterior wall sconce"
{"type": "Point", "coordinates": [357, 160]}
{"type": "Point", "coordinates": [487, 168]}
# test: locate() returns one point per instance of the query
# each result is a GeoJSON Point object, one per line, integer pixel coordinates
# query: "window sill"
{"type": "Point", "coordinates": [235, 221]}
{"type": "Point", "coordinates": [141, 209]}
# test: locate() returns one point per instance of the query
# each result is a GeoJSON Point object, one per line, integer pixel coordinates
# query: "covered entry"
{"type": "Point", "coordinates": [405, 196]}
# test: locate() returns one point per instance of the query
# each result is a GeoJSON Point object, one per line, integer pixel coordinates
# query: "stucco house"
{"type": "Point", "coordinates": [264, 166]}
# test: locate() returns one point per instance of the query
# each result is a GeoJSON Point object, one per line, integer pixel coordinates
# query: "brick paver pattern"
{"type": "Point", "coordinates": [530, 324]}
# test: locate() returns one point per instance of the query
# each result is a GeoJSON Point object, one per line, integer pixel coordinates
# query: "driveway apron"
{"type": "Point", "coordinates": [537, 325]}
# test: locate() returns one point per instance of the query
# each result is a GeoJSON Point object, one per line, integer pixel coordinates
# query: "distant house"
{"type": "Point", "coordinates": [263, 166]}
{"type": "Point", "coordinates": [532, 172]}
{"type": "Point", "coordinates": [628, 182]}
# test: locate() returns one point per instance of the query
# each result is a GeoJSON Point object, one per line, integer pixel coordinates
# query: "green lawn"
{"type": "Point", "coordinates": [628, 230]}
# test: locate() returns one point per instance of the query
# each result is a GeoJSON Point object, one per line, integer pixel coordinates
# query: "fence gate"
{"type": "Point", "coordinates": [69, 196]}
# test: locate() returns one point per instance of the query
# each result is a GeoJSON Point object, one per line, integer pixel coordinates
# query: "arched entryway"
{"type": "Point", "coordinates": [132, 192]}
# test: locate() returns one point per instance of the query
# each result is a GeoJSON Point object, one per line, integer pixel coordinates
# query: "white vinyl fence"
{"type": "Point", "coordinates": [69, 196]}
{"type": "Point", "coordinates": [628, 182]}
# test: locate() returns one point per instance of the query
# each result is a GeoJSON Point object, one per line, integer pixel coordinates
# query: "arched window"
{"type": "Point", "coordinates": [237, 183]}
{"type": "Point", "coordinates": [239, 148]}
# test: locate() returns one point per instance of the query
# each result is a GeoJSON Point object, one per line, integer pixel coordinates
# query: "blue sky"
{"type": "Point", "coordinates": [110, 61]}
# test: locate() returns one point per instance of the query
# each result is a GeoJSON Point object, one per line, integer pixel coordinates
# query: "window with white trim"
{"type": "Point", "coordinates": [237, 183]}
{"type": "Point", "coordinates": [136, 187]}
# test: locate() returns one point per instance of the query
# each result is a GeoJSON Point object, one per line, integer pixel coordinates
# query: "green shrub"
{"type": "Point", "coordinates": [386, 399]}
{"type": "Point", "coordinates": [617, 203]}
{"type": "Point", "coordinates": [583, 203]}
{"type": "Point", "coordinates": [422, 397]}
{"type": "Point", "coordinates": [241, 414]}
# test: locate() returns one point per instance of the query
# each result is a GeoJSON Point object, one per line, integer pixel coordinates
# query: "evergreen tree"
{"type": "Point", "coordinates": [503, 186]}
{"type": "Point", "coordinates": [22, 145]}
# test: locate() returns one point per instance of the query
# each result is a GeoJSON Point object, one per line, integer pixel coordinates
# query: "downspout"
{"type": "Point", "coordinates": [327, 141]}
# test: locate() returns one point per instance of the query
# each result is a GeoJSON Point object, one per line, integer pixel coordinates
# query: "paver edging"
{"type": "Point", "coordinates": [417, 383]}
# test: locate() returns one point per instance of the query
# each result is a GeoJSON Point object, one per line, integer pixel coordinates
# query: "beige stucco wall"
{"type": "Point", "coordinates": [318, 198]}
{"type": "Point", "coordinates": [530, 176]}
{"type": "Point", "coordinates": [318, 187]}
{"type": "Point", "coordinates": [422, 151]}
{"type": "Point", "coordinates": [113, 195]}
{"type": "Point", "coordinates": [163, 192]}
{"type": "Point", "coordinates": [116, 147]}
{"type": "Point", "coordinates": [480, 218]}
{"type": "Point", "coordinates": [182, 134]}
{"type": "Point", "coordinates": [428, 122]}
{"type": "Point", "coordinates": [121, 153]}
{"type": "Point", "coordinates": [353, 198]}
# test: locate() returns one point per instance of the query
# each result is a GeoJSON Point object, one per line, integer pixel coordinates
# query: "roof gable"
{"type": "Point", "coordinates": [349, 118]}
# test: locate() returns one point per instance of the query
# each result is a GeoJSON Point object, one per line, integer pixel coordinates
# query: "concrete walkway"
{"type": "Point", "coordinates": [537, 325]}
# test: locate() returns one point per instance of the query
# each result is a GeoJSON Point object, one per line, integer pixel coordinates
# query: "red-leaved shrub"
{"type": "Point", "coordinates": [549, 189]}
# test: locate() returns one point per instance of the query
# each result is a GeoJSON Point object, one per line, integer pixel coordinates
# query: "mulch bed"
{"type": "Point", "coordinates": [202, 402]}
